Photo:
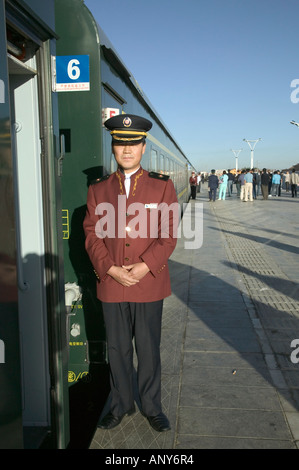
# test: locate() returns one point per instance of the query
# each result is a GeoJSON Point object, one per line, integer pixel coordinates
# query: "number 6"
{"type": "Point", "coordinates": [72, 70]}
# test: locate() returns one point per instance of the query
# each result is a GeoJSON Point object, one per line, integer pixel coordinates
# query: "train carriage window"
{"type": "Point", "coordinates": [154, 160]}
{"type": "Point", "coordinates": [110, 99]}
{"type": "Point", "coordinates": [171, 173]}
{"type": "Point", "coordinates": [171, 170]}
{"type": "Point", "coordinates": [181, 177]}
{"type": "Point", "coordinates": [161, 168]}
{"type": "Point", "coordinates": [166, 166]}
{"type": "Point", "coordinates": [113, 165]}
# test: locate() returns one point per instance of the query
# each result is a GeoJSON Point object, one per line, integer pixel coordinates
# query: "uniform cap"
{"type": "Point", "coordinates": [128, 128]}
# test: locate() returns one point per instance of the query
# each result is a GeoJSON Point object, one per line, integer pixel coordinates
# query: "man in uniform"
{"type": "Point", "coordinates": [193, 184]}
{"type": "Point", "coordinates": [131, 267]}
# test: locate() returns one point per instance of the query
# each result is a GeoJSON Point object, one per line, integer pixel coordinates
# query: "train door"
{"type": "Point", "coordinates": [43, 349]}
{"type": "Point", "coordinates": [31, 242]}
{"type": "Point", "coordinates": [10, 388]}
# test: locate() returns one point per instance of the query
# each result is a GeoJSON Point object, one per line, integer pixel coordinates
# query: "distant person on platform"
{"type": "Point", "coordinates": [213, 183]}
{"type": "Point", "coordinates": [248, 180]}
{"type": "Point", "coordinates": [193, 184]}
{"type": "Point", "coordinates": [276, 178]}
{"type": "Point", "coordinates": [287, 181]}
{"type": "Point", "coordinates": [231, 179]}
{"type": "Point", "coordinates": [294, 180]}
{"type": "Point", "coordinates": [198, 182]}
{"type": "Point", "coordinates": [238, 183]}
{"type": "Point", "coordinates": [265, 183]}
{"type": "Point", "coordinates": [223, 186]}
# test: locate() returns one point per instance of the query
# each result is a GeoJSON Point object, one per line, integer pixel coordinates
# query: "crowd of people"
{"type": "Point", "coordinates": [249, 184]}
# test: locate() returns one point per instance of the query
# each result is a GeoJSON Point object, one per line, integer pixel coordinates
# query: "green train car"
{"type": "Point", "coordinates": [34, 396]}
{"type": "Point", "coordinates": [60, 78]}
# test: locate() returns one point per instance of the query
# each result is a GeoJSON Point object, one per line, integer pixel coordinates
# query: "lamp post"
{"type": "Point", "coordinates": [252, 144]}
{"type": "Point", "coordinates": [236, 153]}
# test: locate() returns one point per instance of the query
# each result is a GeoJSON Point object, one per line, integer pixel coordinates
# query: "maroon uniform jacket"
{"type": "Point", "coordinates": [193, 180]}
{"type": "Point", "coordinates": [122, 231]}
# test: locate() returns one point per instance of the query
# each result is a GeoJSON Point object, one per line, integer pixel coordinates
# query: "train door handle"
{"type": "Point", "coordinates": [62, 154]}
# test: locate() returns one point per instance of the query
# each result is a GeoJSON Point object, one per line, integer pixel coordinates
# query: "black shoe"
{"type": "Point", "coordinates": [110, 421]}
{"type": "Point", "coordinates": [159, 423]}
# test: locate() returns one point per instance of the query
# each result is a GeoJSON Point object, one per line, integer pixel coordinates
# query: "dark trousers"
{"type": "Point", "coordinates": [294, 190]}
{"type": "Point", "coordinates": [212, 194]}
{"type": "Point", "coordinates": [193, 192]}
{"type": "Point", "coordinates": [265, 191]}
{"type": "Point", "coordinates": [141, 321]}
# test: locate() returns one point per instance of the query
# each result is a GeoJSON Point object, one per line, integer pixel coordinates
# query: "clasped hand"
{"type": "Point", "coordinates": [128, 275]}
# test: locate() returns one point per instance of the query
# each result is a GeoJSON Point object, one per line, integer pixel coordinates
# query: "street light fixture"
{"type": "Point", "coordinates": [295, 123]}
{"type": "Point", "coordinates": [253, 142]}
{"type": "Point", "coordinates": [236, 153]}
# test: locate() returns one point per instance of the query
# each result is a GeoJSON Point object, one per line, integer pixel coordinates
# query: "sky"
{"type": "Point", "coordinates": [216, 72]}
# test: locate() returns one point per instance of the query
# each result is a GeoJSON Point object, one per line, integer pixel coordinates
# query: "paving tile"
{"type": "Point", "coordinates": [207, 395]}
{"type": "Point", "coordinates": [233, 360]}
{"type": "Point", "coordinates": [293, 421]}
{"type": "Point", "coordinates": [233, 423]}
{"type": "Point", "coordinates": [203, 442]}
{"type": "Point", "coordinates": [210, 316]}
{"type": "Point", "coordinates": [223, 376]}
{"type": "Point", "coordinates": [196, 330]}
{"type": "Point", "coordinates": [218, 344]}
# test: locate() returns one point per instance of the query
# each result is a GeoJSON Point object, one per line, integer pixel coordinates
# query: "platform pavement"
{"type": "Point", "coordinates": [228, 379]}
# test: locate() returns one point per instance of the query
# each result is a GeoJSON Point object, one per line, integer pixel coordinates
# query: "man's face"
{"type": "Point", "coordinates": [128, 156]}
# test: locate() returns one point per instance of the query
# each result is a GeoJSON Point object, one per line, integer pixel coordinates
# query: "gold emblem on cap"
{"type": "Point", "coordinates": [127, 122]}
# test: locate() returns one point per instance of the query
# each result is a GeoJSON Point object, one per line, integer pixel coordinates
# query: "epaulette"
{"type": "Point", "coordinates": [158, 176]}
{"type": "Point", "coordinates": [99, 180]}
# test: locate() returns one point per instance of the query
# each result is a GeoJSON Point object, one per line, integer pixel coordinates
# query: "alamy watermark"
{"type": "Point", "coordinates": [151, 220]}
{"type": "Point", "coordinates": [295, 352]}
{"type": "Point", "coordinates": [295, 93]}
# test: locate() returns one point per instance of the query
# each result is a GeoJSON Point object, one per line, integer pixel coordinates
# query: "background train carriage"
{"type": "Point", "coordinates": [34, 389]}
{"type": "Point", "coordinates": [54, 375]}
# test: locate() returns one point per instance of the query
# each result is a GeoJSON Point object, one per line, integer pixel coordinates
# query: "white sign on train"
{"type": "Point", "coordinates": [72, 73]}
{"type": "Point", "coordinates": [108, 113]}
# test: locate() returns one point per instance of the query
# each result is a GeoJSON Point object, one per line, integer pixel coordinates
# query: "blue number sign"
{"type": "Point", "coordinates": [72, 73]}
